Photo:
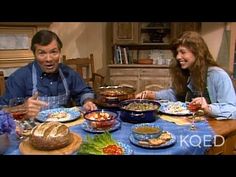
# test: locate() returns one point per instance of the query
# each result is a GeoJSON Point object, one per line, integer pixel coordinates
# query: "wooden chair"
{"type": "Point", "coordinates": [85, 66]}
{"type": "Point", "coordinates": [2, 83]}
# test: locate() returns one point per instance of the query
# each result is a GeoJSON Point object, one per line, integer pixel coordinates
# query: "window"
{"type": "Point", "coordinates": [15, 41]}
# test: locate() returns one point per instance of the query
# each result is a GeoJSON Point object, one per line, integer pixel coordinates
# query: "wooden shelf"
{"type": "Point", "coordinates": [147, 46]}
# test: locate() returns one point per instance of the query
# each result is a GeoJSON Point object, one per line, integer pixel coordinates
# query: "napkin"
{"type": "Point", "coordinates": [179, 120]}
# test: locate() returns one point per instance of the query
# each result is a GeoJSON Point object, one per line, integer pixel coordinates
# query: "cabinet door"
{"type": "Point", "coordinates": [154, 79]}
{"type": "Point", "coordinates": [121, 76]}
{"type": "Point", "coordinates": [154, 84]}
{"type": "Point", "coordinates": [125, 33]}
{"type": "Point", "coordinates": [179, 28]}
{"type": "Point", "coordinates": [127, 81]}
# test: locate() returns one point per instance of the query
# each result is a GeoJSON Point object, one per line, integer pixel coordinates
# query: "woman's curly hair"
{"type": "Point", "coordinates": [195, 43]}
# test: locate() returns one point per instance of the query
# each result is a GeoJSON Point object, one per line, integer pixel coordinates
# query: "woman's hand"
{"type": "Point", "coordinates": [204, 106]}
{"type": "Point", "coordinates": [147, 94]}
{"type": "Point", "coordinates": [89, 106]}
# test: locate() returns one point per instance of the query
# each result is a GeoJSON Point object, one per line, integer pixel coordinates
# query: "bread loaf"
{"type": "Point", "coordinates": [50, 136]}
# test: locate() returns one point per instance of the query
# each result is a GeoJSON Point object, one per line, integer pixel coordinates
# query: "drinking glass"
{"type": "Point", "coordinates": [18, 112]}
{"type": "Point", "coordinates": [194, 108]}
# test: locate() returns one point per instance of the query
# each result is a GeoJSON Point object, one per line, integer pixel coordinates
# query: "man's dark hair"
{"type": "Point", "coordinates": [45, 37]}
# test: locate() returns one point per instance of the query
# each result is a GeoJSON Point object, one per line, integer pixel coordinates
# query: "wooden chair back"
{"type": "Point", "coordinates": [85, 66]}
{"type": "Point", "coordinates": [2, 83]}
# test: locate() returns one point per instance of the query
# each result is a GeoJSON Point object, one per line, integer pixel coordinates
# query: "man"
{"type": "Point", "coordinates": [46, 82]}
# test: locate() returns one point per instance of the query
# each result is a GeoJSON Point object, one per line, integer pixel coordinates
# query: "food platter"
{"type": "Point", "coordinates": [85, 126]}
{"type": "Point", "coordinates": [145, 144]}
{"type": "Point", "coordinates": [58, 114]}
{"type": "Point", "coordinates": [104, 144]}
{"type": "Point", "coordinates": [175, 108]}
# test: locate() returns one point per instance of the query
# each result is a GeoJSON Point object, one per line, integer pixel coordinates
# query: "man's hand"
{"type": "Point", "coordinates": [33, 106]}
{"type": "Point", "coordinates": [89, 106]}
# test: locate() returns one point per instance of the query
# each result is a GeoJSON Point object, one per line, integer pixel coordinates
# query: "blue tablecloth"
{"type": "Point", "coordinates": [187, 142]}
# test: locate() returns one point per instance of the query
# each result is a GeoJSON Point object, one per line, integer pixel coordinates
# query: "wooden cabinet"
{"type": "Point", "coordinates": [146, 33]}
{"type": "Point", "coordinates": [180, 27]}
{"type": "Point", "coordinates": [125, 33]}
{"type": "Point", "coordinates": [133, 41]}
{"type": "Point", "coordinates": [141, 77]}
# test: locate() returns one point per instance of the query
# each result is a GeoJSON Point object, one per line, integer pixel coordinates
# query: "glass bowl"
{"type": "Point", "coordinates": [101, 119]}
{"type": "Point", "coordinates": [145, 131]}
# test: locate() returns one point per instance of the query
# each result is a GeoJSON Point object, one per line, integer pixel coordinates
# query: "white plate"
{"type": "Point", "coordinates": [72, 114]}
{"type": "Point", "coordinates": [175, 108]}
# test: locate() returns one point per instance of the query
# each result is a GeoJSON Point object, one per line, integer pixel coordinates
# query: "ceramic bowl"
{"type": "Point", "coordinates": [146, 131]}
{"type": "Point", "coordinates": [101, 119]}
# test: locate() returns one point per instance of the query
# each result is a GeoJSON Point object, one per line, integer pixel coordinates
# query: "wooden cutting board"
{"type": "Point", "coordinates": [27, 149]}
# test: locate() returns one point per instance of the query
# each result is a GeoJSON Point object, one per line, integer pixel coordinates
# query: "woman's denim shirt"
{"type": "Point", "coordinates": [221, 92]}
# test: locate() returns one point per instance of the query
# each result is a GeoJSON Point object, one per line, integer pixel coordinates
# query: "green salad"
{"type": "Point", "coordinates": [100, 144]}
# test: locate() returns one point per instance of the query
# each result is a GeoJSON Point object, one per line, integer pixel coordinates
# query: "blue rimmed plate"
{"type": "Point", "coordinates": [168, 143]}
{"type": "Point", "coordinates": [127, 149]}
{"type": "Point", "coordinates": [175, 108]}
{"type": "Point", "coordinates": [64, 115]}
{"type": "Point", "coordinates": [88, 128]}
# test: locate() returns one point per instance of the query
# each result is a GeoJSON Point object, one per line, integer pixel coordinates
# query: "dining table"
{"type": "Point", "coordinates": [205, 140]}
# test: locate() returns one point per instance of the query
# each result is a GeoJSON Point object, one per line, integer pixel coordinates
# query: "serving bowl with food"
{"type": "Point", "coordinates": [101, 119]}
{"type": "Point", "coordinates": [111, 96]}
{"type": "Point", "coordinates": [146, 131]}
{"type": "Point", "coordinates": [139, 110]}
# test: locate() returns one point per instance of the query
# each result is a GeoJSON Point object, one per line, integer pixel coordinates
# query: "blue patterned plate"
{"type": "Point", "coordinates": [127, 149]}
{"type": "Point", "coordinates": [58, 114]}
{"type": "Point", "coordinates": [175, 108]}
{"type": "Point", "coordinates": [87, 128]}
{"type": "Point", "coordinates": [168, 143]}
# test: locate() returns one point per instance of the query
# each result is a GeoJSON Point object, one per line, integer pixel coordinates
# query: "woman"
{"type": "Point", "coordinates": [194, 69]}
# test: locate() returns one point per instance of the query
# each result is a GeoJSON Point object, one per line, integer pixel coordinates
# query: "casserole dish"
{"type": "Point", "coordinates": [110, 96]}
{"type": "Point", "coordinates": [139, 110]}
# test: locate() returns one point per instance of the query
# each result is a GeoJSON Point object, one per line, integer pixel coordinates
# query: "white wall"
{"type": "Point", "coordinates": [212, 33]}
{"type": "Point", "coordinates": [82, 38]}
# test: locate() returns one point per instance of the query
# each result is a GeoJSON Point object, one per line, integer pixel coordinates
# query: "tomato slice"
{"type": "Point", "coordinates": [112, 150]}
